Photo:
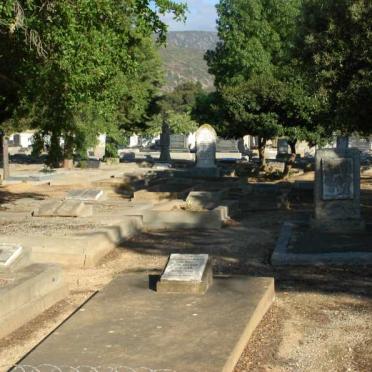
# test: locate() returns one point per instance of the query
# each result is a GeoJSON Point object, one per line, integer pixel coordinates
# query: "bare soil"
{"type": "Point", "coordinates": [321, 319]}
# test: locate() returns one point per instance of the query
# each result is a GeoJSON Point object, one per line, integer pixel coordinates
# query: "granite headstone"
{"type": "Point", "coordinates": [337, 189]}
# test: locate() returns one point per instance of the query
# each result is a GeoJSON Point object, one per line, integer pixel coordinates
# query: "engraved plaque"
{"type": "Point", "coordinates": [338, 179]}
{"type": "Point", "coordinates": [185, 267]}
{"type": "Point", "coordinates": [85, 194]}
{"type": "Point", "coordinates": [9, 253]}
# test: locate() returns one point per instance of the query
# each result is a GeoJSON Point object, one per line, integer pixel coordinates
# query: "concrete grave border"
{"type": "Point", "coordinates": [282, 257]}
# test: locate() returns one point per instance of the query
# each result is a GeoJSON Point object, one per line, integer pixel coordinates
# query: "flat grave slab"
{"type": "Point", "coordinates": [298, 244]}
{"type": "Point", "coordinates": [28, 292]}
{"type": "Point", "coordinates": [85, 195]}
{"type": "Point", "coordinates": [129, 325]}
{"type": "Point", "coordinates": [66, 208]}
{"type": "Point", "coordinates": [186, 273]}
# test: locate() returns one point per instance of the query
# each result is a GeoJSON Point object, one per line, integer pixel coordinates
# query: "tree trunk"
{"type": "Point", "coordinates": [261, 152]}
{"type": "Point", "coordinates": [291, 160]}
{"type": "Point", "coordinates": [68, 162]}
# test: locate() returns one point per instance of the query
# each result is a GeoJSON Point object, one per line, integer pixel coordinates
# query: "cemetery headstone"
{"type": "Point", "coordinates": [337, 189]}
{"type": "Point", "coordinates": [85, 194]}
{"type": "Point", "coordinates": [66, 208]}
{"type": "Point", "coordinates": [164, 144]}
{"type": "Point", "coordinates": [227, 145]}
{"type": "Point", "coordinates": [178, 143]}
{"type": "Point", "coordinates": [342, 142]}
{"type": "Point", "coordinates": [282, 147]}
{"type": "Point", "coordinates": [206, 138]}
{"type": "Point", "coordinates": [9, 254]}
{"type": "Point", "coordinates": [186, 273]}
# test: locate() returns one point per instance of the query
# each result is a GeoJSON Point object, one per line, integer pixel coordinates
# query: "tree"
{"type": "Point", "coordinates": [93, 52]}
{"type": "Point", "coordinates": [256, 38]}
{"type": "Point", "coordinates": [335, 48]}
{"type": "Point", "coordinates": [179, 123]}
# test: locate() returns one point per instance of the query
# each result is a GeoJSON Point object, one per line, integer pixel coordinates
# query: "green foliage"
{"type": "Point", "coordinates": [181, 100]}
{"type": "Point", "coordinates": [97, 70]}
{"type": "Point", "coordinates": [335, 48]}
{"type": "Point", "coordinates": [179, 123]}
{"type": "Point", "coordinates": [260, 89]}
{"type": "Point", "coordinates": [255, 38]}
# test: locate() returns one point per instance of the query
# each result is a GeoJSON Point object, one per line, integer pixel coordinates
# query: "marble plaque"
{"type": "Point", "coordinates": [185, 267]}
{"type": "Point", "coordinates": [9, 253]}
{"type": "Point", "coordinates": [338, 179]}
{"type": "Point", "coordinates": [85, 194]}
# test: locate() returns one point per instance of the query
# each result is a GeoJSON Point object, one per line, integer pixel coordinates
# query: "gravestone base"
{"type": "Point", "coordinates": [346, 225]}
{"type": "Point", "coordinates": [27, 293]}
{"type": "Point", "coordinates": [174, 286]}
{"type": "Point", "coordinates": [205, 172]}
{"type": "Point", "coordinates": [158, 331]}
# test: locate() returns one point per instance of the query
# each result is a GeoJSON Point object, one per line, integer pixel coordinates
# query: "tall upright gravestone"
{"type": "Point", "coordinates": [164, 144]}
{"type": "Point", "coordinates": [337, 190]}
{"type": "Point", "coordinates": [206, 138]}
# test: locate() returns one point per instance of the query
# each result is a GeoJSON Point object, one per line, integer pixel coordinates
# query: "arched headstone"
{"type": "Point", "coordinates": [206, 138]}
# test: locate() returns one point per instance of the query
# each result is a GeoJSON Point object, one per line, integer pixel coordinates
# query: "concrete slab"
{"type": "Point", "coordinates": [130, 326]}
{"type": "Point", "coordinates": [327, 250]}
{"type": "Point", "coordinates": [26, 293]}
{"type": "Point", "coordinates": [183, 219]}
{"type": "Point", "coordinates": [82, 248]}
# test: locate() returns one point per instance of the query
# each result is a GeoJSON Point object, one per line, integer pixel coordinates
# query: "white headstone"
{"type": "Point", "coordinates": [185, 267]}
{"type": "Point", "coordinates": [9, 253]}
{"type": "Point", "coordinates": [206, 138]}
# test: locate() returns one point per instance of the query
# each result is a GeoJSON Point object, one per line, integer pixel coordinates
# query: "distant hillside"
{"type": "Point", "coordinates": [183, 57]}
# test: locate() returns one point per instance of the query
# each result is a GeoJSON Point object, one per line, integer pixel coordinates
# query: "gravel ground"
{"type": "Point", "coordinates": [321, 319]}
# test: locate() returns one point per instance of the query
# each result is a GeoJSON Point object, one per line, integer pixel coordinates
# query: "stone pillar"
{"type": "Point", "coordinates": [337, 190]}
{"type": "Point", "coordinates": [5, 156]}
{"type": "Point", "coordinates": [164, 144]}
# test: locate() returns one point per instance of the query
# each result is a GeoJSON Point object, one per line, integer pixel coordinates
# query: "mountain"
{"type": "Point", "coordinates": [183, 57]}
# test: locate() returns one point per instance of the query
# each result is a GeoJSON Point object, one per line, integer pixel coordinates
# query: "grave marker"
{"type": "Point", "coordinates": [85, 194]}
{"type": "Point", "coordinates": [178, 143]}
{"type": "Point", "coordinates": [227, 146]}
{"type": "Point", "coordinates": [337, 190]}
{"type": "Point", "coordinates": [186, 273]}
{"type": "Point", "coordinates": [164, 144]}
{"type": "Point", "coordinates": [206, 138]}
{"type": "Point", "coordinates": [9, 253]}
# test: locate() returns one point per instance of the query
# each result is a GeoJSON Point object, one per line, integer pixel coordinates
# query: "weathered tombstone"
{"type": "Point", "coordinates": [85, 194]}
{"type": "Point", "coordinates": [206, 138]}
{"type": "Point", "coordinates": [186, 273]}
{"type": "Point", "coordinates": [66, 208]}
{"type": "Point", "coordinates": [337, 190]}
{"type": "Point", "coordinates": [164, 144]}
{"type": "Point", "coordinates": [9, 255]}
{"type": "Point", "coordinates": [342, 142]}
{"type": "Point", "coordinates": [227, 145]}
{"type": "Point", "coordinates": [178, 143]}
{"type": "Point", "coordinates": [282, 147]}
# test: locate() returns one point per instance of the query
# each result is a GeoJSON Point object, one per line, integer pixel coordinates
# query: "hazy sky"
{"type": "Point", "coordinates": [201, 17]}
